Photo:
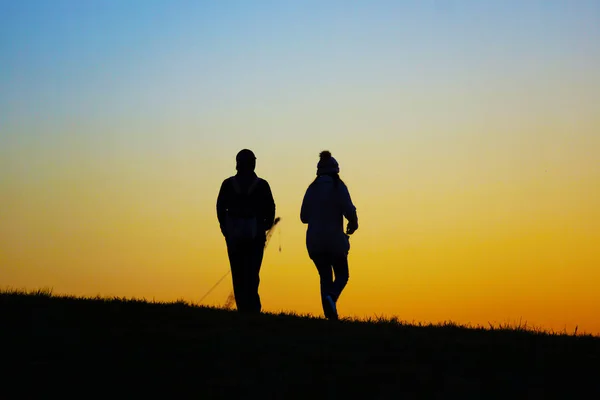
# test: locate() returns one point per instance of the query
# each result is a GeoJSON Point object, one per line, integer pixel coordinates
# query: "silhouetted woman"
{"type": "Point", "coordinates": [325, 204]}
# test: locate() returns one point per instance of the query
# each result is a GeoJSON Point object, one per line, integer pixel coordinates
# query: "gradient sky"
{"type": "Point", "coordinates": [468, 133]}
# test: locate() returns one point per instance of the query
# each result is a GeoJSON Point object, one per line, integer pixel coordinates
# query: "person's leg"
{"type": "Point", "coordinates": [323, 264]}
{"type": "Point", "coordinates": [340, 269]}
{"type": "Point", "coordinates": [252, 277]}
{"type": "Point", "coordinates": [236, 262]}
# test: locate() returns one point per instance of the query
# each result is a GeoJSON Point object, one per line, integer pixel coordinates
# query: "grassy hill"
{"type": "Point", "coordinates": [88, 346]}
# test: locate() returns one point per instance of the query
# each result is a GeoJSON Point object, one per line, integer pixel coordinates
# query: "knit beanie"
{"type": "Point", "coordinates": [327, 164]}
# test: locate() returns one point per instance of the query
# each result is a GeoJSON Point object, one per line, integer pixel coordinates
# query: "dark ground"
{"type": "Point", "coordinates": [99, 348]}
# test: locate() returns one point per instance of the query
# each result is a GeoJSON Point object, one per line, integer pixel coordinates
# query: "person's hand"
{"type": "Point", "coordinates": [351, 227]}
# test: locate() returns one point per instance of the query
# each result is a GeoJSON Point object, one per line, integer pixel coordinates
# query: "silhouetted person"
{"type": "Point", "coordinates": [325, 204]}
{"type": "Point", "coordinates": [246, 210]}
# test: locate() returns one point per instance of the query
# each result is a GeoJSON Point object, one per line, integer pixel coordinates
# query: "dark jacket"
{"type": "Point", "coordinates": [324, 207]}
{"type": "Point", "coordinates": [260, 201]}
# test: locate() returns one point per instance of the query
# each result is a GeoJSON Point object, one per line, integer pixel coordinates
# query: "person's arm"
{"type": "Point", "coordinates": [349, 210]}
{"type": "Point", "coordinates": [269, 206]}
{"type": "Point", "coordinates": [222, 206]}
{"type": "Point", "coordinates": [304, 210]}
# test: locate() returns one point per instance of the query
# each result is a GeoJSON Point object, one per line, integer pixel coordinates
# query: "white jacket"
{"type": "Point", "coordinates": [323, 208]}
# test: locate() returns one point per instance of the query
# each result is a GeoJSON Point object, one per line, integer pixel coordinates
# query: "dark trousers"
{"type": "Point", "coordinates": [328, 265]}
{"type": "Point", "coordinates": [245, 260]}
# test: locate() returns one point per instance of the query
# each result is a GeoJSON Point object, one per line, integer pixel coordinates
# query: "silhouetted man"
{"type": "Point", "coordinates": [246, 211]}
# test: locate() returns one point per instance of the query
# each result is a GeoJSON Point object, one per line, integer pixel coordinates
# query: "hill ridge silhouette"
{"type": "Point", "coordinates": [287, 356]}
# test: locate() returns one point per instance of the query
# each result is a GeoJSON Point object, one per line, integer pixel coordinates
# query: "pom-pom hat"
{"type": "Point", "coordinates": [327, 164]}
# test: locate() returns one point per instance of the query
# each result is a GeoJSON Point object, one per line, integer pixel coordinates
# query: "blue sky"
{"type": "Point", "coordinates": [61, 55]}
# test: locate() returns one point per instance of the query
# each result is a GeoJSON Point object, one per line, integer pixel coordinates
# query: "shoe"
{"type": "Point", "coordinates": [330, 308]}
